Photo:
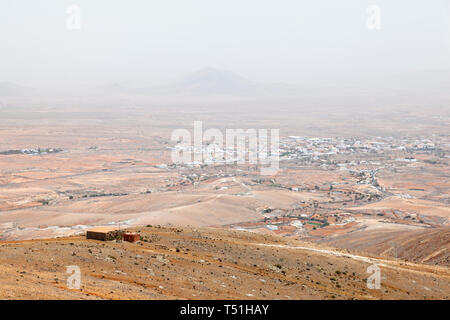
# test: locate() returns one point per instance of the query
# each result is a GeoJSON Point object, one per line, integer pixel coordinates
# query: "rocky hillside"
{"type": "Point", "coordinates": [188, 263]}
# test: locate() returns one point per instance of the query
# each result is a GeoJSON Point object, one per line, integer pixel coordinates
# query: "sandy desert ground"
{"type": "Point", "coordinates": [206, 263]}
{"type": "Point", "coordinates": [355, 184]}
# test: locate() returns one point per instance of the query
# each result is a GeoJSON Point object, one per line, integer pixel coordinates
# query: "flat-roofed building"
{"type": "Point", "coordinates": [104, 233]}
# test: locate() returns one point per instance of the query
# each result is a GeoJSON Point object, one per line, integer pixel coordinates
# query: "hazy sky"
{"type": "Point", "coordinates": [264, 40]}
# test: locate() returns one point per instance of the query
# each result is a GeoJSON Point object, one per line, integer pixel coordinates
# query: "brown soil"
{"type": "Point", "coordinates": [187, 263]}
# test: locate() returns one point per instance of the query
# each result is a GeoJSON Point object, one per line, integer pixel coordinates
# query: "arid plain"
{"type": "Point", "coordinates": [364, 180]}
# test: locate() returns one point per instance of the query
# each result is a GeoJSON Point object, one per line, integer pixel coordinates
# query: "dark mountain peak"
{"type": "Point", "coordinates": [215, 80]}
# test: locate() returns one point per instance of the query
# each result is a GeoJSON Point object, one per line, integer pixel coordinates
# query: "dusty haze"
{"type": "Point", "coordinates": [156, 42]}
{"type": "Point", "coordinates": [91, 93]}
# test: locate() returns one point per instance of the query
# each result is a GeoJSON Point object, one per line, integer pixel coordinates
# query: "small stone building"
{"type": "Point", "coordinates": [104, 233]}
{"type": "Point", "coordinates": [131, 236]}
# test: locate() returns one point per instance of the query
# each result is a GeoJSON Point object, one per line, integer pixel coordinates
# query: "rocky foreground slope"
{"type": "Point", "coordinates": [188, 263]}
{"type": "Point", "coordinates": [430, 246]}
